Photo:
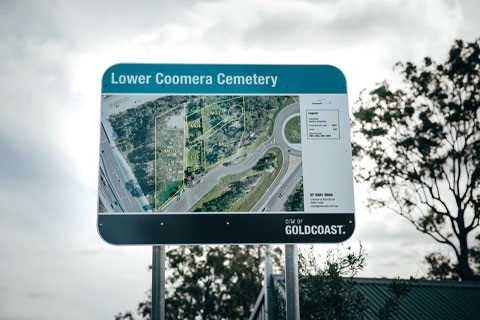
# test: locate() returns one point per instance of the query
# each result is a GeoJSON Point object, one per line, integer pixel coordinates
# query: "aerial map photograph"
{"type": "Point", "coordinates": [184, 153]}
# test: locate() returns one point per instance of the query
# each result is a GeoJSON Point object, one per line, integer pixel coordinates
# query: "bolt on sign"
{"type": "Point", "coordinates": [224, 154]}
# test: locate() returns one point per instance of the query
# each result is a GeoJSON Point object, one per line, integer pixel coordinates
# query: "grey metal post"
{"type": "Point", "coordinates": [291, 282]}
{"type": "Point", "coordinates": [158, 283]}
{"type": "Point", "coordinates": [269, 287]}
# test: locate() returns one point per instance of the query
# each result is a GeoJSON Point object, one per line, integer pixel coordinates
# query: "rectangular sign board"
{"type": "Point", "coordinates": [224, 154]}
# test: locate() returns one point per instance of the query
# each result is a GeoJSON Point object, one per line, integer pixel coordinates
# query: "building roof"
{"type": "Point", "coordinates": [436, 300]}
{"type": "Point", "coordinates": [425, 300]}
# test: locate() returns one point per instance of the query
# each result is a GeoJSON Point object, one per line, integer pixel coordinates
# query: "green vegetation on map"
{"type": "Point", "coordinates": [293, 130]}
{"type": "Point", "coordinates": [288, 100]}
{"type": "Point", "coordinates": [215, 132]}
{"type": "Point", "coordinates": [101, 207]}
{"type": "Point", "coordinates": [240, 192]}
{"type": "Point", "coordinates": [135, 130]}
{"type": "Point", "coordinates": [295, 200]}
{"type": "Point", "coordinates": [169, 154]}
{"type": "Point", "coordinates": [172, 142]}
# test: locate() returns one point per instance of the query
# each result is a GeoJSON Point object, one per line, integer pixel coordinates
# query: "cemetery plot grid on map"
{"type": "Point", "coordinates": [207, 153]}
{"type": "Point", "coordinates": [192, 138]}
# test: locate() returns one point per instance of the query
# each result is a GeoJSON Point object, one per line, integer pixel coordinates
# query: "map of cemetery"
{"type": "Point", "coordinates": [209, 153]}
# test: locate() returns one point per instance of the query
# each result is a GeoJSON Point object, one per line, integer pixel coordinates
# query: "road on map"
{"type": "Point", "coordinates": [192, 195]}
{"type": "Point", "coordinates": [113, 177]}
{"type": "Point", "coordinates": [114, 173]}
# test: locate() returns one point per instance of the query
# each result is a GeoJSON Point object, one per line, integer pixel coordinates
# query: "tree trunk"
{"type": "Point", "coordinates": [466, 273]}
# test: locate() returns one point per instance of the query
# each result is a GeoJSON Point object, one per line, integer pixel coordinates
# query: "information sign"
{"type": "Point", "coordinates": [224, 154]}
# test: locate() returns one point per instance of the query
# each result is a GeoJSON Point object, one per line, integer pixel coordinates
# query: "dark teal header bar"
{"type": "Point", "coordinates": [222, 79]}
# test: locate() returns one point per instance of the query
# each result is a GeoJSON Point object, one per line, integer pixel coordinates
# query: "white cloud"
{"type": "Point", "coordinates": [53, 58]}
{"type": "Point", "coordinates": [364, 39]}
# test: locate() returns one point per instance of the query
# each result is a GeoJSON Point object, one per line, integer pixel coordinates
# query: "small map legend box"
{"type": "Point", "coordinates": [322, 124]}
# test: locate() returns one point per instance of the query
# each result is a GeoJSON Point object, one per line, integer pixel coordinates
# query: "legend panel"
{"type": "Point", "coordinates": [322, 124]}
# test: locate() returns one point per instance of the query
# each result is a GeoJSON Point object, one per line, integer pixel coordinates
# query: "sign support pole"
{"type": "Point", "coordinates": [291, 282]}
{"type": "Point", "coordinates": [158, 283]}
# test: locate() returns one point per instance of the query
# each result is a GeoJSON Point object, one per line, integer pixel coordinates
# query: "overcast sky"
{"type": "Point", "coordinates": [53, 264]}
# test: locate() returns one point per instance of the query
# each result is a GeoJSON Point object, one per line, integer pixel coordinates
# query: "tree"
{"type": "Point", "coordinates": [213, 282]}
{"type": "Point", "coordinates": [224, 282]}
{"type": "Point", "coordinates": [330, 292]}
{"type": "Point", "coordinates": [423, 141]}
{"type": "Point", "coordinates": [441, 267]}
{"type": "Point", "coordinates": [210, 282]}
